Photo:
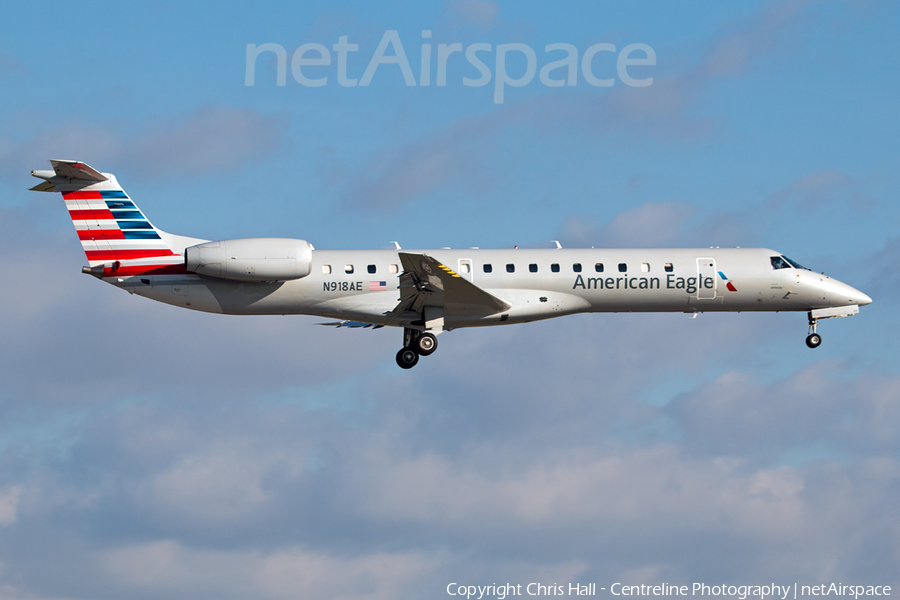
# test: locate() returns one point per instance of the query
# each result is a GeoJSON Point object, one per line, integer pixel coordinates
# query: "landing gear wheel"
{"type": "Point", "coordinates": [407, 358]}
{"type": "Point", "coordinates": [813, 340]}
{"type": "Point", "coordinates": [426, 344]}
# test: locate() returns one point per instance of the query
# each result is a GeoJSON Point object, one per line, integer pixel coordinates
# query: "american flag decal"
{"type": "Point", "coordinates": [376, 286]}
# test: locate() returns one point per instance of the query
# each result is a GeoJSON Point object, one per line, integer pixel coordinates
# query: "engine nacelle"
{"type": "Point", "coordinates": [251, 259]}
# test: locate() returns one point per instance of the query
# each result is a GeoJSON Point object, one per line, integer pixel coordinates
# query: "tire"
{"type": "Point", "coordinates": [813, 340]}
{"type": "Point", "coordinates": [407, 358]}
{"type": "Point", "coordinates": [426, 344]}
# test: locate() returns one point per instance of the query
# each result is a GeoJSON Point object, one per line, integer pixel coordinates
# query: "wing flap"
{"type": "Point", "coordinates": [351, 325]}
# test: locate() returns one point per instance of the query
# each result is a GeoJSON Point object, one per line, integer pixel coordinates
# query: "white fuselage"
{"type": "Point", "coordinates": [537, 284]}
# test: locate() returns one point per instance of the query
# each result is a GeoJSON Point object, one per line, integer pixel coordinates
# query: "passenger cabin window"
{"type": "Point", "coordinates": [394, 269]}
{"type": "Point", "coordinates": [645, 267]}
{"type": "Point", "coordinates": [577, 267]}
{"type": "Point", "coordinates": [510, 268]}
{"type": "Point", "coordinates": [779, 263]}
{"type": "Point", "coordinates": [465, 267]}
{"type": "Point", "coordinates": [326, 269]}
{"type": "Point", "coordinates": [532, 268]}
{"type": "Point", "coordinates": [371, 268]}
{"type": "Point", "coordinates": [555, 267]}
{"type": "Point", "coordinates": [348, 269]}
{"type": "Point", "coordinates": [669, 268]}
{"type": "Point", "coordinates": [598, 267]}
{"type": "Point", "coordinates": [488, 268]}
{"type": "Point", "coordinates": [622, 267]}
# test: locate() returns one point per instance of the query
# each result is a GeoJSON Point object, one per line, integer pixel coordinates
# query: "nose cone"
{"type": "Point", "coordinates": [844, 294]}
{"type": "Point", "coordinates": [837, 293]}
{"type": "Point", "coordinates": [859, 298]}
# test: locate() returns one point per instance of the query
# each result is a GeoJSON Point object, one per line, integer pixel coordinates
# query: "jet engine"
{"type": "Point", "coordinates": [251, 259]}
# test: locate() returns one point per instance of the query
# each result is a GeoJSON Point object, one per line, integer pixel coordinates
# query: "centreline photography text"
{"type": "Point", "coordinates": [741, 592]}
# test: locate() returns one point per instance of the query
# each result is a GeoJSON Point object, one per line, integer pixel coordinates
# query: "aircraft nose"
{"type": "Point", "coordinates": [852, 296]}
{"type": "Point", "coordinates": [836, 293]}
{"type": "Point", "coordinates": [861, 299]}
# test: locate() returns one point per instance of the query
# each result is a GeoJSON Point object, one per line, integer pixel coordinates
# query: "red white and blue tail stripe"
{"type": "Point", "coordinates": [118, 240]}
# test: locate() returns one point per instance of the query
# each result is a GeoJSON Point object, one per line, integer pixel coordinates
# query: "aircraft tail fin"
{"type": "Point", "coordinates": [118, 240]}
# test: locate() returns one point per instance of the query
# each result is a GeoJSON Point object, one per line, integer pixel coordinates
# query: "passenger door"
{"type": "Point", "coordinates": [706, 271]}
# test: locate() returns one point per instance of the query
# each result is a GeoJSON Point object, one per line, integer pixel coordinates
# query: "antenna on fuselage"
{"type": "Point", "coordinates": [558, 245]}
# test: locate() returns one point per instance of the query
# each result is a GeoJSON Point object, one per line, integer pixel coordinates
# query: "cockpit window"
{"type": "Point", "coordinates": [794, 263]}
{"type": "Point", "coordinates": [779, 263]}
{"type": "Point", "coordinates": [783, 262]}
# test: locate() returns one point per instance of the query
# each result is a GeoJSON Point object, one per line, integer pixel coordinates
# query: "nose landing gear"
{"type": "Point", "coordinates": [415, 344]}
{"type": "Point", "coordinates": [813, 339]}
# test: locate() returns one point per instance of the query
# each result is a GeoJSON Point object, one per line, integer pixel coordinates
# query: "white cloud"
{"type": "Point", "coordinates": [209, 139]}
{"type": "Point", "coordinates": [653, 224]}
{"type": "Point", "coordinates": [817, 191]}
{"type": "Point", "coordinates": [736, 413]}
{"type": "Point", "coordinates": [481, 12]}
{"type": "Point", "coordinates": [9, 505]}
{"type": "Point", "coordinates": [219, 484]}
{"type": "Point", "coordinates": [517, 466]}
{"type": "Point", "coordinates": [585, 490]}
{"type": "Point", "coordinates": [167, 568]}
{"type": "Point", "coordinates": [400, 174]}
{"type": "Point", "coordinates": [752, 37]}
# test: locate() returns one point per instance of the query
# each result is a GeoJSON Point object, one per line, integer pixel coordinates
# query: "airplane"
{"type": "Point", "coordinates": [425, 292]}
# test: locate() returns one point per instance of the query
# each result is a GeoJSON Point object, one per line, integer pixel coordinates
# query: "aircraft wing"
{"type": "Point", "coordinates": [427, 282]}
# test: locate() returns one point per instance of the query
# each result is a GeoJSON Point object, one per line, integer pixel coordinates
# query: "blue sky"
{"type": "Point", "coordinates": [149, 452]}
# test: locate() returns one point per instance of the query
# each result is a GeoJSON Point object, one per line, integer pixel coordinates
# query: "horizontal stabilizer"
{"type": "Point", "coordinates": [44, 186]}
{"type": "Point", "coordinates": [67, 176]}
{"type": "Point", "coordinates": [73, 169]}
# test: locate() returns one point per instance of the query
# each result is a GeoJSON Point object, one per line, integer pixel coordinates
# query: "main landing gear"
{"type": "Point", "coordinates": [415, 344]}
{"type": "Point", "coordinates": [813, 339]}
